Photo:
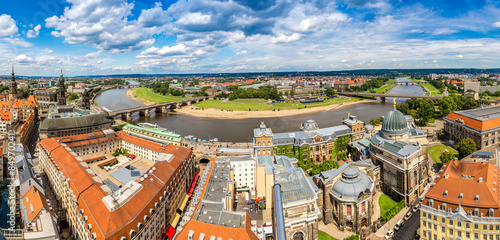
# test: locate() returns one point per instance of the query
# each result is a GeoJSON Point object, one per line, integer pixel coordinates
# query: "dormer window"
{"type": "Point", "coordinates": [461, 196]}
{"type": "Point", "coordinates": [476, 198]}
{"type": "Point", "coordinates": [444, 206]}
{"type": "Point", "coordinates": [445, 193]}
{"type": "Point", "coordinates": [490, 212]}
{"type": "Point", "coordinates": [431, 201]}
{"type": "Point", "coordinates": [476, 212]}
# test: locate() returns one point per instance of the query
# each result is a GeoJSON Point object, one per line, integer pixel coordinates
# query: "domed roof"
{"type": "Point", "coordinates": [394, 123]}
{"type": "Point", "coordinates": [352, 183]}
{"type": "Point", "coordinates": [309, 126]}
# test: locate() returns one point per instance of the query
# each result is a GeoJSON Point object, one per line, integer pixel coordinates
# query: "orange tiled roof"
{"type": "Point", "coordinates": [37, 201]}
{"type": "Point", "coordinates": [457, 183]}
{"type": "Point", "coordinates": [113, 225]}
{"type": "Point", "coordinates": [475, 123]}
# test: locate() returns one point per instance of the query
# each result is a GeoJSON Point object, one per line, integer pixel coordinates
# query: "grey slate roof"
{"type": "Point", "coordinates": [300, 137]}
{"type": "Point", "coordinates": [396, 147]}
{"type": "Point", "coordinates": [352, 183]}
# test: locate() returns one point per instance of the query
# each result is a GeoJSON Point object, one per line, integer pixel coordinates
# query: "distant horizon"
{"type": "Point", "coordinates": [381, 71]}
{"type": "Point", "coordinates": [104, 37]}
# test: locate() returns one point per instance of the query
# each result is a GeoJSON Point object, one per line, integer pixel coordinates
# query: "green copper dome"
{"type": "Point", "coordinates": [394, 123]}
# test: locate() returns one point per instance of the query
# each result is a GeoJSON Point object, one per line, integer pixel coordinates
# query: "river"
{"type": "Point", "coordinates": [241, 130]}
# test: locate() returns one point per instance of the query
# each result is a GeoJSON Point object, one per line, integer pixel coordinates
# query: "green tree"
{"type": "Point", "coordinates": [442, 133]}
{"type": "Point", "coordinates": [292, 93]}
{"type": "Point", "coordinates": [286, 93]}
{"type": "Point", "coordinates": [447, 105]}
{"type": "Point", "coordinates": [73, 96]}
{"type": "Point", "coordinates": [425, 111]}
{"type": "Point", "coordinates": [466, 147]}
{"type": "Point", "coordinates": [446, 156]}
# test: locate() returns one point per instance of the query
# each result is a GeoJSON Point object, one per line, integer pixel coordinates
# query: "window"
{"type": "Point", "coordinates": [459, 234]}
{"type": "Point", "coordinates": [451, 231]}
{"type": "Point", "coordinates": [435, 218]}
{"type": "Point", "coordinates": [443, 220]}
{"type": "Point", "coordinates": [476, 226]}
{"type": "Point", "coordinates": [459, 224]}
{"type": "Point", "coordinates": [485, 227]}
{"type": "Point", "coordinates": [443, 229]}
{"type": "Point", "coordinates": [467, 225]}
{"type": "Point", "coordinates": [424, 223]}
{"type": "Point", "coordinates": [349, 210]}
{"type": "Point", "coordinates": [476, 235]}
{"type": "Point", "coordinates": [423, 214]}
{"type": "Point", "coordinates": [451, 222]}
{"type": "Point", "coordinates": [467, 234]}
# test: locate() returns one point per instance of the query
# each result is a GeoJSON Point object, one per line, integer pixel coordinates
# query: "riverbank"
{"type": "Point", "coordinates": [219, 114]}
{"type": "Point", "coordinates": [130, 94]}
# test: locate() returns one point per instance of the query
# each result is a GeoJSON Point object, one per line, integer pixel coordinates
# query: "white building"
{"type": "Point", "coordinates": [244, 171]}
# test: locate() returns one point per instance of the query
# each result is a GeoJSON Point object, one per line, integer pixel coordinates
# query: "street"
{"type": "Point", "coordinates": [409, 228]}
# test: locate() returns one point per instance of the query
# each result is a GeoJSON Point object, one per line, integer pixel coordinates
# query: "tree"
{"type": "Point", "coordinates": [442, 133]}
{"type": "Point", "coordinates": [286, 93]}
{"type": "Point", "coordinates": [447, 105]}
{"type": "Point", "coordinates": [425, 111]}
{"type": "Point", "coordinates": [446, 156]}
{"type": "Point", "coordinates": [466, 147]}
{"type": "Point", "coordinates": [292, 93]}
{"type": "Point", "coordinates": [73, 96]}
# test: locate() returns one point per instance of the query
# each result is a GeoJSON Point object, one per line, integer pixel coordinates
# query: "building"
{"type": "Point", "coordinates": [211, 214]}
{"type": "Point", "coordinates": [346, 195]}
{"type": "Point", "coordinates": [72, 120]}
{"type": "Point", "coordinates": [17, 116]}
{"type": "Point", "coordinates": [298, 195]}
{"type": "Point", "coordinates": [117, 197]}
{"type": "Point", "coordinates": [357, 127]}
{"type": "Point", "coordinates": [244, 172]}
{"type": "Point", "coordinates": [61, 91]}
{"type": "Point", "coordinates": [49, 96]}
{"type": "Point", "coordinates": [481, 124]}
{"type": "Point", "coordinates": [154, 133]}
{"type": "Point", "coordinates": [462, 202]}
{"type": "Point", "coordinates": [13, 94]}
{"type": "Point", "coordinates": [404, 167]}
{"type": "Point", "coordinates": [310, 145]}
{"type": "Point", "coordinates": [85, 100]}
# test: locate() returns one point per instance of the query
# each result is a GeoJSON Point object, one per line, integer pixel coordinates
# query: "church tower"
{"type": "Point", "coordinates": [13, 85]}
{"type": "Point", "coordinates": [86, 100]}
{"type": "Point", "coordinates": [61, 91]}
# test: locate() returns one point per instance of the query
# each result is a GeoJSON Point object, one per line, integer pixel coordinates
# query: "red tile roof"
{"type": "Point", "coordinates": [463, 177]}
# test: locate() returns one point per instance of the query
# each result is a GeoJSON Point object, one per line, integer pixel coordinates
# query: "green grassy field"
{"type": "Point", "coordinates": [263, 105]}
{"type": "Point", "coordinates": [385, 88]}
{"type": "Point", "coordinates": [391, 80]}
{"type": "Point", "coordinates": [324, 236]}
{"type": "Point", "coordinates": [385, 204]}
{"type": "Point", "coordinates": [430, 87]}
{"type": "Point", "coordinates": [143, 93]}
{"type": "Point", "coordinates": [436, 151]}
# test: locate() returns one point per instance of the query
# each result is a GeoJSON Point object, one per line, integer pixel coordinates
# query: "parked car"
{"type": "Point", "coordinates": [408, 215]}
{"type": "Point", "coordinates": [415, 209]}
{"type": "Point", "coordinates": [399, 224]}
{"type": "Point", "coordinates": [389, 234]}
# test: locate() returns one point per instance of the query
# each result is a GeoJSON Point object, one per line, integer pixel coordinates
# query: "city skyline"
{"type": "Point", "coordinates": [208, 36]}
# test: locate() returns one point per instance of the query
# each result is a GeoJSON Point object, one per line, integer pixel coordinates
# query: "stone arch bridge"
{"type": "Point", "coordinates": [160, 107]}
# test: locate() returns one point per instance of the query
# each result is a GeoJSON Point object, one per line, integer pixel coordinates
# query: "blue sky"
{"type": "Point", "coordinates": [87, 37]}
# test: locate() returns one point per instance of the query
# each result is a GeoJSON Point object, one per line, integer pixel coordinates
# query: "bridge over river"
{"type": "Point", "coordinates": [382, 96]}
{"type": "Point", "coordinates": [159, 107]}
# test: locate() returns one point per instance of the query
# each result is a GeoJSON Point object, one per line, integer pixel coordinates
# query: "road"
{"type": "Point", "coordinates": [409, 228]}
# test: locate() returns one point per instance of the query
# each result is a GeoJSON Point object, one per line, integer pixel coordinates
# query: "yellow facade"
{"type": "Point", "coordinates": [438, 226]}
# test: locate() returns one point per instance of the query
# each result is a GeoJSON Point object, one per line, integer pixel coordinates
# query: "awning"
{"type": "Point", "coordinates": [183, 203]}
{"type": "Point", "coordinates": [243, 189]}
{"type": "Point", "coordinates": [170, 232]}
{"type": "Point", "coordinates": [176, 220]}
{"type": "Point", "coordinates": [193, 184]}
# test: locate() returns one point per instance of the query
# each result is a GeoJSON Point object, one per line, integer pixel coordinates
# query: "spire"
{"type": "Point", "coordinates": [61, 73]}
{"type": "Point", "coordinates": [394, 101]}
{"type": "Point", "coordinates": [12, 68]}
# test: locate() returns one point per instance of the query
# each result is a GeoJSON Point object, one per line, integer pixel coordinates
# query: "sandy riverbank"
{"type": "Point", "coordinates": [217, 113]}
{"type": "Point", "coordinates": [130, 94]}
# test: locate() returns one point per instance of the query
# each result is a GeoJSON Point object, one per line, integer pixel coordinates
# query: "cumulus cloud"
{"type": "Point", "coordinates": [7, 25]}
{"type": "Point", "coordinates": [24, 60]}
{"type": "Point", "coordinates": [496, 24]}
{"type": "Point", "coordinates": [282, 38]}
{"type": "Point", "coordinates": [459, 56]}
{"type": "Point", "coordinates": [34, 33]}
{"type": "Point", "coordinates": [242, 52]}
{"type": "Point", "coordinates": [104, 24]}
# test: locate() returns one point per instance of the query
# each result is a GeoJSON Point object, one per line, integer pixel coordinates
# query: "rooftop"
{"type": "Point", "coordinates": [480, 118]}
{"type": "Point", "coordinates": [467, 184]}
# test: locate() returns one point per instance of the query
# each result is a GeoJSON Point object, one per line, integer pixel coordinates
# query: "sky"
{"type": "Point", "coordinates": [93, 37]}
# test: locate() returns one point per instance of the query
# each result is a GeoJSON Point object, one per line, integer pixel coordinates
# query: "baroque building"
{"type": "Point", "coordinates": [61, 91]}
{"type": "Point", "coordinates": [404, 167]}
{"type": "Point", "coordinates": [346, 195]}
{"type": "Point", "coordinates": [310, 145]}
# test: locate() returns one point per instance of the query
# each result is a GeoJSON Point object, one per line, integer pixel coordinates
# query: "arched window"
{"type": "Point", "coordinates": [139, 226]}
{"type": "Point", "coordinates": [94, 236]}
{"type": "Point", "coordinates": [146, 218]}
{"type": "Point", "coordinates": [157, 205]}
{"type": "Point", "coordinates": [89, 226]}
{"type": "Point", "coordinates": [151, 211]}
{"type": "Point", "coordinates": [132, 234]}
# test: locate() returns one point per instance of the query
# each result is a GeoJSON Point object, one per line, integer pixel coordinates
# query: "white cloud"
{"type": "Point", "coordinates": [17, 42]}
{"type": "Point", "coordinates": [242, 52]}
{"type": "Point", "coordinates": [7, 25]}
{"type": "Point", "coordinates": [34, 33]}
{"type": "Point", "coordinates": [50, 51]}
{"type": "Point", "coordinates": [496, 24]}
{"type": "Point", "coordinates": [282, 38]}
{"type": "Point", "coordinates": [343, 60]}
{"type": "Point", "coordinates": [459, 56]}
{"type": "Point", "coordinates": [24, 60]}
{"type": "Point", "coordinates": [194, 19]}
{"type": "Point", "coordinates": [104, 24]}
{"type": "Point", "coordinates": [444, 31]}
